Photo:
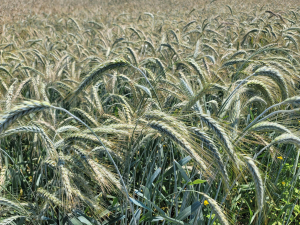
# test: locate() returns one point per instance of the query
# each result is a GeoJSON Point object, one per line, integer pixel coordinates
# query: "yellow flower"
{"type": "Point", "coordinates": [164, 146]}
{"type": "Point", "coordinates": [279, 157]}
{"type": "Point", "coordinates": [283, 183]}
{"type": "Point", "coordinates": [206, 202]}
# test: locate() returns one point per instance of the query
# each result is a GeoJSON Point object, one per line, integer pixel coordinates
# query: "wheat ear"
{"type": "Point", "coordinates": [165, 129]}
{"type": "Point", "coordinates": [2, 177]}
{"type": "Point", "coordinates": [211, 146]}
{"type": "Point", "coordinates": [107, 152]}
{"type": "Point", "coordinates": [258, 182]}
{"type": "Point", "coordinates": [17, 130]}
{"type": "Point", "coordinates": [277, 77]}
{"type": "Point", "coordinates": [222, 136]}
{"type": "Point", "coordinates": [117, 63]}
{"type": "Point", "coordinates": [269, 126]}
{"type": "Point", "coordinates": [25, 108]}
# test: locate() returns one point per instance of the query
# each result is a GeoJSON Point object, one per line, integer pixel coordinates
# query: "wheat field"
{"type": "Point", "coordinates": [160, 112]}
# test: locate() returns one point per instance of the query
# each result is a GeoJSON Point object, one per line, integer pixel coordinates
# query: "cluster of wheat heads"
{"type": "Point", "coordinates": [197, 109]}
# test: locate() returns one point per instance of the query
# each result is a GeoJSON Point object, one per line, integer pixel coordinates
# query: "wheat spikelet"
{"type": "Point", "coordinates": [115, 154]}
{"type": "Point", "coordinates": [186, 88]}
{"type": "Point", "coordinates": [256, 99]}
{"type": "Point", "coordinates": [75, 22]}
{"type": "Point", "coordinates": [246, 35]}
{"type": "Point", "coordinates": [45, 194]}
{"type": "Point", "coordinates": [161, 66]}
{"type": "Point", "coordinates": [35, 87]}
{"type": "Point", "coordinates": [238, 53]}
{"type": "Point", "coordinates": [105, 179]}
{"type": "Point", "coordinates": [222, 136]}
{"type": "Point", "coordinates": [10, 220]}
{"type": "Point", "coordinates": [286, 138]}
{"type": "Point", "coordinates": [32, 69]}
{"type": "Point", "coordinates": [258, 182]}
{"type": "Point", "coordinates": [218, 210]}
{"type": "Point", "coordinates": [206, 66]}
{"type": "Point", "coordinates": [292, 39]}
{"type": "Point", "coordinates": [121, 98]}
{"type": "Point", "coordinates": [132, 53]}
{"type": "Point", "coordinates": [86, 115]}
{"type": "Point", "coordinates": [82, 153]}
{"type": "Point", "coordinates": [214, 105]}
{"type": "Point", "coordinates": [87, 200]}
{"type": "Point", "coordinates": [9, 95]}
{"type": "Point", "coordinates": [66, 121]}
{"type": "Point", "coordinates": [269, 126]}
{"type": "Point", "coordinates": [66, 183]}
{"type": "Point", "coordinates": [64, 86]}
{"type": "Point", "coordinates": [120, 126]}
{"type": "Point", "coordinates": [260, 86]}
{"type": "Point", "coordinates": [47, 141]}
{"type": "Point", "coordinates": [117, 63]}
{"type": "Point", "coordinates": [11, 204]}
{"type": "Point", "coordinates": [25, 108]}
{"type": "Point", "coordinates": [211, 146]}
{"type": "Point", "coordinates": [165, 129]}
{"type": "Point", "coordinates": [158, 115]}
{"type": "Point", "coordinates": [291, 100]}
{"type": "Point", "coordinates": [127, 113]}
{"type": "Point", "coordinates": [234, 61]}
{"type": "Point", "coordinates": [194, 101]}
{"type": "Point", "coordinates": [108, 130]}
{"type": "Point", "coordinates": [17, 130]}
{"type": "Point", "coordinates": [67, 128]}
{"type": "Point", "coordinates": [110, 176]}
{"type": "Point", "coordinates": [2, 177]}
{"type": "Point", "coordinates": [113, 118]}
{"type": "Point", "coordinates": [21, 86]}
{"type": "Point", "coordinates": [97, 100]}
{"type": "Point", "coordinates": [189, 92]}
{"type": "Point", "coordinates": [3, 85]}
{"type": "Point", "coordinates": [86, 138]}
{"type": "Point", "coordinates": [6, 71]}
{"type": "Point", "coordinates": [43, 92]}
{"type": "Point", "coordinates": [211, 48]}
{"type": "Point", "coordinates": [198, 70]}
{"type": "Point", "coordinates": [277, 77]}
{"type": "Point", "coordinates": [280, 67]}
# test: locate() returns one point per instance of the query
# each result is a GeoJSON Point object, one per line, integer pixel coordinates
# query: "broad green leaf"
{"type": "Point", "coordinates": [84, 220]}
{"type": "Point", "coordinates": [188, 211]}
{"type": "Point", "coordinates": [138, 203]}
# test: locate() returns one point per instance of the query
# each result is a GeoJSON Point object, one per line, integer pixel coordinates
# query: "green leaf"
{"type": "Point", "coordinates": [115, 201]}
{"type": "Point", "coordinates": [188, 211]}
{"type": "Point", "coordinates": [136, 217]}
{"type": "Point", "coordinates": [138, 203]}
{"type": "Point", "coordinates": [116, 219]}
{"type": "Point", "coordinates": [84, 220]}
{"type": "Point", "coordinates": [75, 221]}
{"type": "Point", "coordinates": [198, 181]}
{"type": "Point", "coordinates": [153, 177]}
{"type": "Point", "coordinates": [145, 89]}
{"type": "Point", "coordinates": [250, 211]}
